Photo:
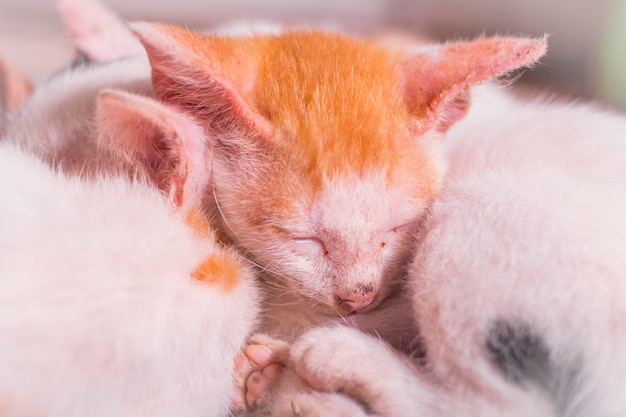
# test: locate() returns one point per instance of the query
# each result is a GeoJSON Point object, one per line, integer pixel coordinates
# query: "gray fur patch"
{"type": "Point", "coordinates": [520, 353]}
{"type": "Point", "coordinates": [525, 358]}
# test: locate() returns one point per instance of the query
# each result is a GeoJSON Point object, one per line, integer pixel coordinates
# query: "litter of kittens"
{"type": "Point", "coordinates": [274, 220]}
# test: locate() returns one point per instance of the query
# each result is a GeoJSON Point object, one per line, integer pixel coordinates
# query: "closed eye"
{"type": "Point", "coordinates": [310, 245]}
{"type": "Point", "coordinates": [390, 236]}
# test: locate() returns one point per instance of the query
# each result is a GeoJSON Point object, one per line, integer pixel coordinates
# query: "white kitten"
{"type": "Point", "coordinates": [114, 300]}
{"type": "Point", "coordinates": [99, 315]}
{"type": "Point", "coordinates": [519, 280]}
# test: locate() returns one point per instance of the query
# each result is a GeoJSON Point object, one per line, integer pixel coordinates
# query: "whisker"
{"type": "Point", "coordinates": [219, 209]}
{"type": "Point", "coordinates": [265, 268]}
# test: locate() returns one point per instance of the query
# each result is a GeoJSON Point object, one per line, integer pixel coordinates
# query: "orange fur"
{"type": "Point", "coordinates": [217, 269]}
{"type": "Point", "coordinates": [347, 110]}
{"type": "Point", "coordinates": [197, 220]}
{"type": "Point", "coordinates": [347, 114]}
{"type": "Point", "coordinates": [325, 105]}
{"type": "Point", "coordinates": [14, 87]}
{"type": "Point", "coordinates": [335, 105]}
{"type": "Point", "coordinates": [299, 121]}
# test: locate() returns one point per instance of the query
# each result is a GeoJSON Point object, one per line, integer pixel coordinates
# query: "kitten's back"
{"type": "Point", "coordinates": [99, 310]}
{"type": "Point", "coordinates": [524, 251]}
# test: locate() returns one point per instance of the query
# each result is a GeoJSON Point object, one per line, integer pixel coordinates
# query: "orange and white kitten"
{"type": "Point", "coordinates": [324, 155]}
{"type": "Point", "coordinates": [325, 150]}
{"type": "Point", "coordinates": [325, 158]}
{"type": "Point", "coordinates": [115, 297]}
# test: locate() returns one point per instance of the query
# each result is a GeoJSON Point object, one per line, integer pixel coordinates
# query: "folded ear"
{"type": "Point", "coordinates": [212, 77]}
{"type": "Point", "coordinates": [97, 32]}
{"type": "Point", "coordinates": [15, 88]}
{"type": "Point", "coordinates": [437, 78]}
{"type": "Point", "coordinates": [165, 142]}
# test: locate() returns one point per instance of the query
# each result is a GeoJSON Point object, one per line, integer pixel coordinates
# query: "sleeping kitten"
{"type": "Point", "coordinates": [405, 115]}
{"type": "Point", "coordinates": [115, 298]}
{"type": "Point", "coordinates": [325, 148]}
{"type": "Point", "coordinates": [325, 158]}
{"type": "Point", "coordinates": [518, 282]}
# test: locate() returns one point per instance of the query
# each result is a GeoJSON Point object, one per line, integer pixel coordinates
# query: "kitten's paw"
{"type": "Point", "coordinates": [256, 368]}
{"type": "Point", "coordinates": [330, 358]}
{"type": "Point", "coordinates": [362, 368]}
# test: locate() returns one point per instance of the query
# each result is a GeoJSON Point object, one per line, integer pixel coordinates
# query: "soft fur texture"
{"type": "Point", "coordinates": [115, 298]}
{"type": "Point", "coordinates": [99, 313]}
{"type": "Point", "coordinates": [519, 278]}
{"type": "Point", "coordinates": [320, 175]}
{"type": "Point", "coordinates": [56, 123]}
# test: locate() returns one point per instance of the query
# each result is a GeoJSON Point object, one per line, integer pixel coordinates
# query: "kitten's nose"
{"type": "Point", "coordinates": [353, 305]}
{"type": "Point", "coordinates": [357, 300]}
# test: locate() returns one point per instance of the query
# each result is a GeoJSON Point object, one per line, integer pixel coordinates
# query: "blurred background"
{"type": "Point", "coordinates": [587, 56]}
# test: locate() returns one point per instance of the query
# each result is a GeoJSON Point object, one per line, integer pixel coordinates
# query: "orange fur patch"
{"type": "Point", "coordinates": [218, 269]}
{"type": "Point", "coordinates": [14, 87]}
{"type": "Point", "coordinates": [335, 102]}
{"type": "Point", "coordinates": [197, 220]}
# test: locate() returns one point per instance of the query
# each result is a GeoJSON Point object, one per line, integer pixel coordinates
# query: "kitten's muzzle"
{"type": "Point", "coordinates": [358, 299]}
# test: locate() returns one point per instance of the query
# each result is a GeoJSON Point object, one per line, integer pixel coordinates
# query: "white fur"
{"type": "Point", "coordinates": [99, 314]}
{"type": "Point", "coordinates": [335, 243]}
{"type": "Point", "coordinates": [56, 123]}
{"type": "Point", "coordinates": [530, 229]}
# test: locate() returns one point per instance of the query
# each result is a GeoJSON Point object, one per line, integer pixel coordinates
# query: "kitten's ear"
{"type": "Point", "coordinates": [15, 88]}
{"type": "Point", "coordinates": [206, 75]}
{"type": "Point", "coordinates": [166, 142]}
{"type": "Point", "coordinates": [437, 78]}
{"type": "Point", "coordinates": [96, 32]}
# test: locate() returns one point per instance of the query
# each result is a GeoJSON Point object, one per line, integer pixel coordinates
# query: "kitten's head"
{"type": "Point", "coordinates": [325, 148]}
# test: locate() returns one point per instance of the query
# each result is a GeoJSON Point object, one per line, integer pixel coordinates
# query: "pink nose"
{"type": "Point", "coordinates": [354, 305]}
{"type": "Point", "coordinates": [353, 301]}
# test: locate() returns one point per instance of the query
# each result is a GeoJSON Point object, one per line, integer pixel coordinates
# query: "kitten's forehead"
{"type": "Point", "coordinates": [335, 100]}
{"type": "Point", "coordinates": [365, 205]}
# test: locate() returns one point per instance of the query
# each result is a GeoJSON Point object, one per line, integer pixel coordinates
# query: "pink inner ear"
{"type": "Point", "coordinates": [96, 31]}
{"type": "Point", "coordinates": [436, 81]}
{"type": "Point", "coordinates": [169, 145]}
{"type": "Point", "coordinates": [188, 71]}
